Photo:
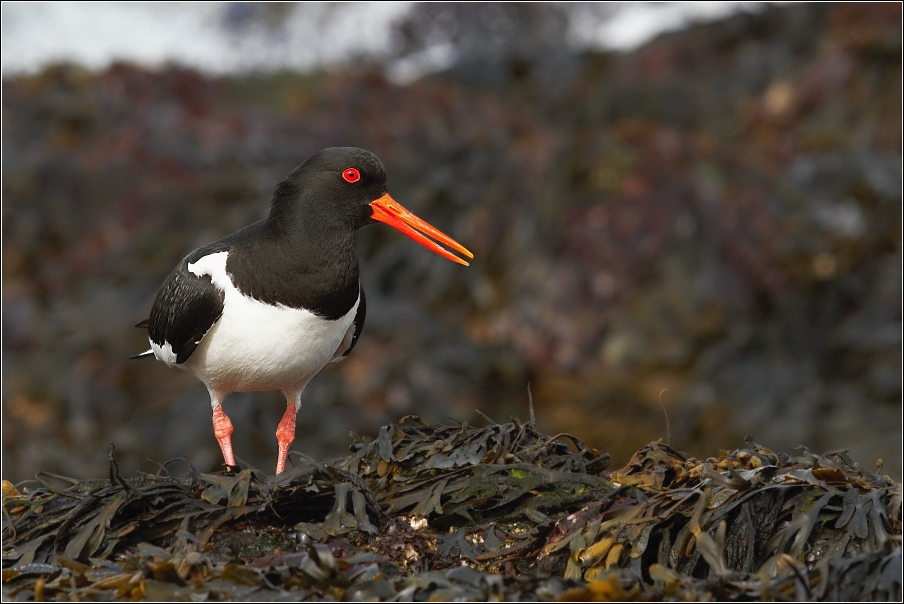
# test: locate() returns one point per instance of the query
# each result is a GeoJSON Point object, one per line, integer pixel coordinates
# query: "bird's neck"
{"type": "Point", "coordinates": [314, 245]}
{"type": "Point", "coordinates": [312, 240]}
{"type": "Point", "coordinates": [299, 264]}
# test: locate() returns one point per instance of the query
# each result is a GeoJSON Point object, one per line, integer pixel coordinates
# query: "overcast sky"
{"type": "Point", "coordinates": [219, 38]}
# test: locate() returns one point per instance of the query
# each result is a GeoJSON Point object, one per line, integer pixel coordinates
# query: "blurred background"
{"type": "Point", "coordinates": [681, 210]}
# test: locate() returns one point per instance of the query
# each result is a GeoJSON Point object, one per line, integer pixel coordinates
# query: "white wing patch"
{"type": "Point", "coordinates": [164, 353]}
{"type": "Point", "coordinates": [213, 265]}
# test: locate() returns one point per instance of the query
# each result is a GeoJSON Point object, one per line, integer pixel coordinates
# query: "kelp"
{"type": "Point", "coordinates": [464, 512]}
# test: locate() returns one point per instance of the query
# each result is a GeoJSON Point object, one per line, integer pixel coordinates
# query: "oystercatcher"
{"type": "Point", "coordinates": [268, 306]}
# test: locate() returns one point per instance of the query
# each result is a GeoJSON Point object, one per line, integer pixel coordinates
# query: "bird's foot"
{"type": "Point", "coordinates": [222, 429]}
{"type": "Point", "coordinates": [285, 434]}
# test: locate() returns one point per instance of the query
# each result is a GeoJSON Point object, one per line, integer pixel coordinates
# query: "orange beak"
{"type": "Point", "coordinates": [388, 210]}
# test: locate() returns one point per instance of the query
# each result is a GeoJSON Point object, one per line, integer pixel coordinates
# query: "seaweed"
{"type": "Point", "coordinates": [462, 512]}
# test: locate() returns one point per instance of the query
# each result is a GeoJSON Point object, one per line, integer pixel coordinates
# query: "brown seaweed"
{"type": "Point", "coordinates": [464, 512]}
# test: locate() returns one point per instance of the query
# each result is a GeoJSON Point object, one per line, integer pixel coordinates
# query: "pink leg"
{"type": "Point", "coordinates": [285, 434]}
{"type": "Point", "coordinates": [222, 429]}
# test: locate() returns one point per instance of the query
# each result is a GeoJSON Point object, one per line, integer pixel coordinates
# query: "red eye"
{"type": "Point", "coordinates": [351, 175]}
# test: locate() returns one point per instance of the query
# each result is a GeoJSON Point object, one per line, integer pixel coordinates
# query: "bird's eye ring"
{"type": "Point", "coordinates": [351, 175]}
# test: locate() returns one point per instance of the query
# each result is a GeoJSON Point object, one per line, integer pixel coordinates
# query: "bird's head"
{"type": "Point", "coordinates": [348, 185]}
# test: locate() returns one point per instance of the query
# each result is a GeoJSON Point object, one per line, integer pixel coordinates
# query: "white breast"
{"type": "Point", "coordinates": [257, 346]}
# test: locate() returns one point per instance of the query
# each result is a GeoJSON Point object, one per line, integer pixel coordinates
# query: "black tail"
{"type": "Point", "coordinates": [150, 351]}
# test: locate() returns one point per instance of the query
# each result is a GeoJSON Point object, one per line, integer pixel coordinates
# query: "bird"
{"type": "Point", "coordinates": [270, 305]}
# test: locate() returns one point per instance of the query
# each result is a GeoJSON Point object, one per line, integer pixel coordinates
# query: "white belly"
{"type": "Point", "coordinates": [256, 346]}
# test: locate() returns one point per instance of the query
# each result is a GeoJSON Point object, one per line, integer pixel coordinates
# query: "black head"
{"type": "Point", "coordinates": [341, 189]}
{"type": "Point", "coordinates": [332, 189]}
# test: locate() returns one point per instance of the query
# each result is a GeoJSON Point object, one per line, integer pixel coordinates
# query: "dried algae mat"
{"type": "Point", "coordinates": [438, 512]}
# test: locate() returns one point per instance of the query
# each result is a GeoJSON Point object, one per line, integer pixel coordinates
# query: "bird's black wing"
{"type": "Point", "coordinates": [184, 311]}
{"type": "Point", "coordinates": [358, 322]}
{"type": "Point", "coordinates": [354, 332]}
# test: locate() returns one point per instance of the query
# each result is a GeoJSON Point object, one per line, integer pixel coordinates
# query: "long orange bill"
{"type": "Point", "coordinates": [388, 210]}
